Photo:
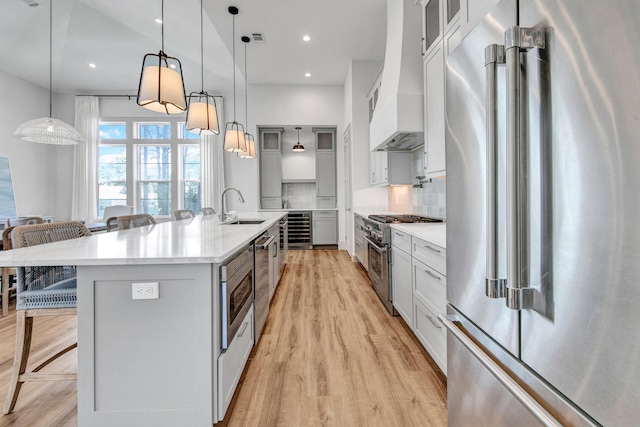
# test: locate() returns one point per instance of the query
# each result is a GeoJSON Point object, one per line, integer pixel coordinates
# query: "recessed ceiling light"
{"type": "Point", "coordinates": [92, 65]}
{"type": "Point", "coordinates": [158, 20]}
{"type": "Point", "coordinates": [306, 38]}
{"type": "Point", "coordinates": [307, 74]}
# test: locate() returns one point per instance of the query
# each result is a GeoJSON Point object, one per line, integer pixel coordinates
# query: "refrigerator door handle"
{"type": "Point", "coordinates": [493, 56]}
{"type": "Point", "coordinates": [509, 383]}
{"type": "Point", "coordinates": [518, 293]}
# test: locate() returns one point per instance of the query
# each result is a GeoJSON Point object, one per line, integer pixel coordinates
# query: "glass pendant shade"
{"type": "Point", "coordinates": [47, 130]}
{"type": "Point", "coordinates": [234, 140]}
{"type": "Point", "coordinates": [251, 147]}
{"type": "Point", "coordinates": [161, 86]}
{"type": "Point", "coordinates": [202, 114]}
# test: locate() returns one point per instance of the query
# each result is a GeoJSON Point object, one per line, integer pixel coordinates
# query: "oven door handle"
{"type": "Point", "coordinates": [376, 247]}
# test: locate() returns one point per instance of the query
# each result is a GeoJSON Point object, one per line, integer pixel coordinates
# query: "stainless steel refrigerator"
{"type": "Point", "coordinates": [543, 216]}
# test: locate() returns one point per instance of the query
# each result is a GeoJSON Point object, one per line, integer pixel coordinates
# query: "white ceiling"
{"type": "Point", "coordinates": [116, 34]}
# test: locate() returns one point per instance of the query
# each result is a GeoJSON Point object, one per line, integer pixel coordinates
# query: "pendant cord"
{"type": "Point", "coordinates": [233, 43]}
{"type": "Point", "coordinates": [246, 90]}
{"type": "Point", "coordinates": [50, 58]}
{"type": "Point", "coordinates": [162, 25]}
{"type": "Point", "coordinates": [201, 49]}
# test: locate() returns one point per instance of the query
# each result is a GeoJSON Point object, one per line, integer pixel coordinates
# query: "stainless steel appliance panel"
{"type": "Point", "coordinates": [482, 385]}
{"type": "Point", "coordinates": [300, 230]}
{"type": "Point", "coordinates": [236, 279]}
{"type": "Point", "coordinates": [379, 273]}
{"type": "Point", "coordinates": [261, 296]}
{"type": "Point", "coordinates": [466, 170]}
{"type": "Point", "coordinates": [583, 125]}
{"type": "Point", "coordinates": [284, 243]}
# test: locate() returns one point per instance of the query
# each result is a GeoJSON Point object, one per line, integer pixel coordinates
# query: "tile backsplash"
{"type": "Point", "coordinates": [299, 195]}
{"type": "Point", "coordinates": [430, 200]}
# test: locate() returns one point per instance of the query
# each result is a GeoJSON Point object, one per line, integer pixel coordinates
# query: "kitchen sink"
{"type": "Point", "coordinates": [245, 221]}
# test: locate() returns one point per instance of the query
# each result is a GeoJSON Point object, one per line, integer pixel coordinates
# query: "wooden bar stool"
{"type": "Point", "coordinates": [41, 291]}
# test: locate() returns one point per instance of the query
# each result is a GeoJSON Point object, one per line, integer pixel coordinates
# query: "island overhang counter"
{"type": "Point", "coordinates": [153, 361]}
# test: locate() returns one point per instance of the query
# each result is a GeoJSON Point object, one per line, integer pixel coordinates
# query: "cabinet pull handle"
{"type": "Point", "coordinates": [435, 276]}
{"type": "Point", "coordinates": [398, 234]}
{"type": "Point", "coordinates": [431, 319]}
{"type": "Point", "coordinates": [243, 329]}
{"type": "Point", "coordinates": [432, 248]}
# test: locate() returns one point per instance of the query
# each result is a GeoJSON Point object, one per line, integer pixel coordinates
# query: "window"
{"type": "Point", "coordinates": [154, 180]}
{"type": "Point", "coordinates": [112, 165]}
{"type": "Point", "coordinates": [151, 165]}
{"type": "Point", "coordinates": [112, 176]}
{"type": "Point", "coordinates": [190, 184]}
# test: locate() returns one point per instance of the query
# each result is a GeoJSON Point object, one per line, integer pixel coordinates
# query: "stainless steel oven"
{"type": "Point", "coordinates": [379, 272]}
{"type": "Point", "coordinates": [236, 278]}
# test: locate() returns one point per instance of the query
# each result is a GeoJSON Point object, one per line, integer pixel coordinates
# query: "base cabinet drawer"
{"type": "Point", "coordinates": [431, 333]}
{"type": "Point", "coordinates": [430, 287]}
{"type": "Point", "coordinates": [401, 240]}
{"type": "Point", "coordinates": [430, 254]}
{"type": "Point", "coordinates": [231, 363]}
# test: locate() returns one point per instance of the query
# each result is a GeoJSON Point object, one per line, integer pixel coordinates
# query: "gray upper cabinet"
{"type": "Point", "coordinates": [325, 167]}
{"type": "Point", "coordinates": [270, 168]}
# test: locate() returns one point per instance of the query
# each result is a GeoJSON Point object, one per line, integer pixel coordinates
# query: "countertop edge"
{"type": "Point", "coordinates": [87, 251]}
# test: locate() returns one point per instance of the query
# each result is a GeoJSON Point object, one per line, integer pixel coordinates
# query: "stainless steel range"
{"type": "Point", "coordinates": [377, 231]}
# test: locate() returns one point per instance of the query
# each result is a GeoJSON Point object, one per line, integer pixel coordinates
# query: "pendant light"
{"type": "Point", "coordinates": [202, 114]}
{"type": "Point", "coordinates": [234, 132]}
{"type": "Point", "coordinates": [47, 130]}
{"type": "Point", "coordinates": [251, 142]}
{"type": "Point", "coordinates": [161, 87]}
{"type": "Point", "coordinates": [298, 147]}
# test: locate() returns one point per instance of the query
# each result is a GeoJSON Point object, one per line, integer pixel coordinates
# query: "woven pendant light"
{"type": "Point", "coordinates": [47, 130]}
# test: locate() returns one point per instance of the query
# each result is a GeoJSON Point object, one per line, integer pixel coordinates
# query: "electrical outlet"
{"type": "Point", "coordinates": [147, 290]}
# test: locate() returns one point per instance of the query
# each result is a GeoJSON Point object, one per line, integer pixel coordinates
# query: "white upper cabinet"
{"type": "Point", "coordinates": [434, 148]}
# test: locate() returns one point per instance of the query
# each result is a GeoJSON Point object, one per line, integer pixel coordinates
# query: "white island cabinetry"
{"type": "Point", "coordinates": [157, 361]}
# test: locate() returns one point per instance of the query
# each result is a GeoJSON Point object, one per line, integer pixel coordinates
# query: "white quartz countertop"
{"type": "Point", "coordinates": [434, 233]}
{"type": "Point", "coordinates": [197, 240]}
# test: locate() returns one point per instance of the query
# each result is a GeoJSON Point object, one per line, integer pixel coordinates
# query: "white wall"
{"type": "Point", "coordinates": [33, 166]}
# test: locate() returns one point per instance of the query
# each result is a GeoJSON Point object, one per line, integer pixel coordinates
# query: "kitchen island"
{"type": "Point", "coordinates": [149, 362]}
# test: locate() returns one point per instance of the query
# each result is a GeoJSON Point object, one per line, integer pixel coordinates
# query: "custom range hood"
{"type": "Point", "coordinates": [397, 123]}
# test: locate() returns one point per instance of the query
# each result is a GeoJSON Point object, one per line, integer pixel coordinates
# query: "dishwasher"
{"type": "Point", "coordinates": [261, 291]}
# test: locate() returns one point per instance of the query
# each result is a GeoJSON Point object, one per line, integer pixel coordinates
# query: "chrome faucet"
{"type": "Point", "coordinates": [223, 213]}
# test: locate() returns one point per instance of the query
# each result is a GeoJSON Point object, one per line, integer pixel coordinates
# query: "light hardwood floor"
{"type": "Point", "coordinates": [330, 355]}
{"type": "Point", "coordinates": [49, 403]}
